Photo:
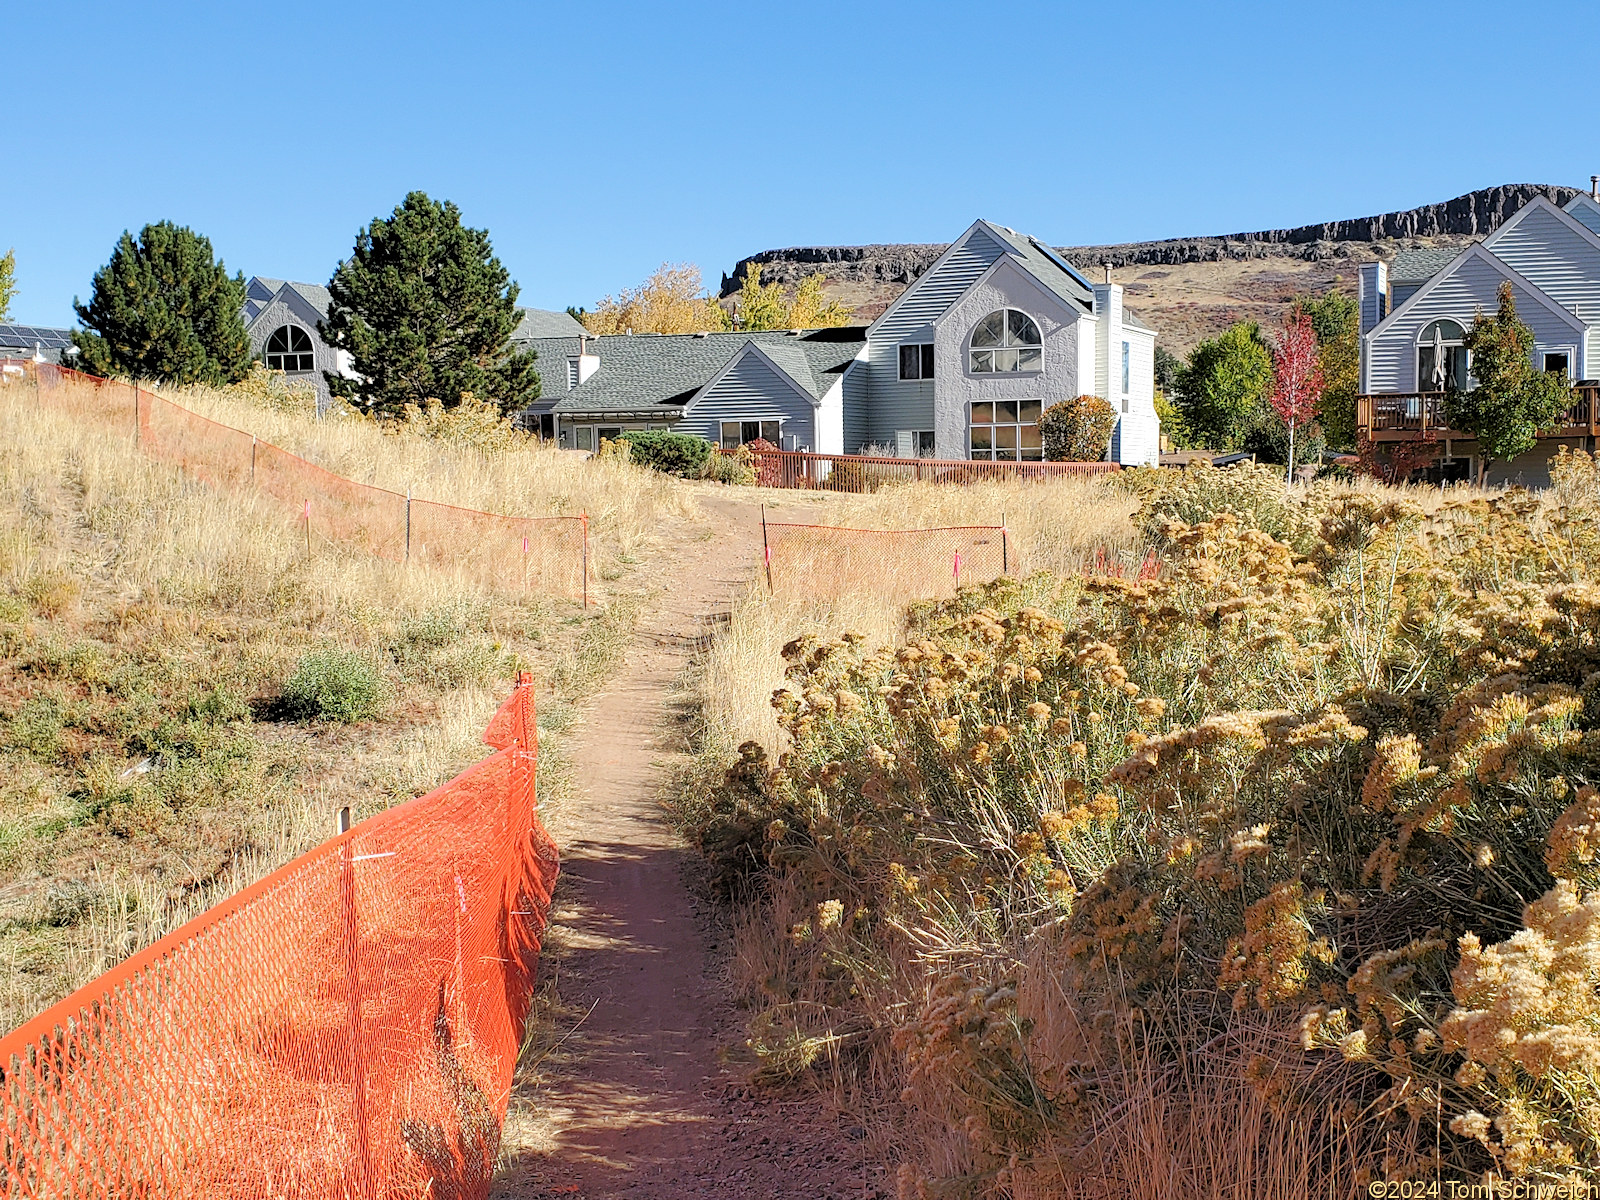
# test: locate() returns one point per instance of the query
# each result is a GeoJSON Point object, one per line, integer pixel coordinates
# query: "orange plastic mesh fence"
{"type": "Point", "coordinates": [822, 561]}
{"type": "Point", "coordinates": [859, 473]}
{"type": "Point", "coordinates": [346, 1027]}
{"type": "Point", "coordinates": [544, 554]}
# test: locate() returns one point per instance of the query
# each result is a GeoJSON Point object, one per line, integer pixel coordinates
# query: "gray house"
{"type": "Point", "coordinates": [960, 366]}
{"type": "Point", "coordinates": [281, 318]}
{"type": "Point", "coordinates": [36, 343]}
{"type": "Point", "coordinates": [1415, 315]}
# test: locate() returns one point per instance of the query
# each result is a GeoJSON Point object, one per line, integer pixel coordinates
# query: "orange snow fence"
{"type": "Point", "coordinates": [540, 554]}
{"type": "Point", "coordinates": [862, 473]}
{"type": "Point", "coordinates": [347, 1027]}
{"type": "Point", "coordinates": [822, 561]}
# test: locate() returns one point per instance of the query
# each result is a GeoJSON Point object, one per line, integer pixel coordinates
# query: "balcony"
{"type": "Point", "coordinates": [1419, 416]}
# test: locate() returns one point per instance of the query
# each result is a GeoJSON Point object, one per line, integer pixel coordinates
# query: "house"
{"type": "Point", "coordinates": [1414, 316]}
{"type": "Point", "coordinates": [960, 366]}
{"type": "Point", "coordinates": [37, 343]}
{"type": "Point", "coordinates": [281, 318]}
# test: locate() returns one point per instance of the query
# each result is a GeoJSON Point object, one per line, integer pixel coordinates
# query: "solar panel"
{"type": "Point", "coordinates": [30, 336]}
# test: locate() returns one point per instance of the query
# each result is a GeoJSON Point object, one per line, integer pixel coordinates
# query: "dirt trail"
{"type": "Point", "coordinates": [643, 1100]}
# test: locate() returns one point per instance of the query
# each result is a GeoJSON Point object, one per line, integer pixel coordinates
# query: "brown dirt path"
{"type": "Point", "coordinates": [646, 1097]}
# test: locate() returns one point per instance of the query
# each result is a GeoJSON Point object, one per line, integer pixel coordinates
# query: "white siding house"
{"type": "Point", "coordinates": [960, 365]}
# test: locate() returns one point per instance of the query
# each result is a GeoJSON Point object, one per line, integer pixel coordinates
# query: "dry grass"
{"type": "Point", "coordinates": [148, 623]}
{"type": "Point", "coordinates": [627, 505]}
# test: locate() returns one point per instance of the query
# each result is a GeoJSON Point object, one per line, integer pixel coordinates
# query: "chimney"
{"type": "Point", "coordinates": [1107, 266]}
{"type": "Point", "coordinates": [1594, 187]}
{"type": "Point", "coordinates": [1374, 293]}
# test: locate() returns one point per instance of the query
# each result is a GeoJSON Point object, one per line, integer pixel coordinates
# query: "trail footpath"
{"type": "Point", "coordinates": [646, 1094]}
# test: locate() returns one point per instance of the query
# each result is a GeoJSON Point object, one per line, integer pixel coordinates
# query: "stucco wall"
{"type": "Point", "coordinates": [280, 312]}
{"type": "Point", "coordinates": [1060, 326]}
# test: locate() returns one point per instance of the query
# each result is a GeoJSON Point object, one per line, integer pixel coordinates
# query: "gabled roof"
{"type": "Point", "coordinates": [1045, 265]}
{"type": "Point", "coordinates": [647, 372]}
{"type": "Point", "coordinates": [542, 323]}
{"type": "Point", "coordinates": [1478, 250]}
{"type": "Point", "coordinates": [1585, 209]}
{"type": "Point", "coordinates": [260, 291]}
{"type": "Point", "coordinates": [1542, 204]}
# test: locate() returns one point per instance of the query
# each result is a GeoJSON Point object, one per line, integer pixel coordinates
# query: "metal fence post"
{"type": "Point", "coordinates": [408, 524]}
{"type": "Point", "coordinates": [1005, 547]}
{"type": "Point", "coordinates": [766, 548]}
{"type": "Point", "coordinates": [584, 517]}
{"type": "Point", "coordinates": [252, 459]}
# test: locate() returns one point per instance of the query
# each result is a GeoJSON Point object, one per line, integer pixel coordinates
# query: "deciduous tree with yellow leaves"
{"type": "Point", "coordinates": [672, 300]}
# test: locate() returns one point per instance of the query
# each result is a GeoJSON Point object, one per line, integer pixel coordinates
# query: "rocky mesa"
{"type": "Point", "coordinates": [1186, 288]}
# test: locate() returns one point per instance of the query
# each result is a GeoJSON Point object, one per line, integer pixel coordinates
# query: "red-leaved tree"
{"type": "Point", "coordinates": [1297, 380]}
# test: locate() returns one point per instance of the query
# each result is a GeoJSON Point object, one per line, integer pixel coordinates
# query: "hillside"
{"type": "Point", "coordinates": [1187, 288]}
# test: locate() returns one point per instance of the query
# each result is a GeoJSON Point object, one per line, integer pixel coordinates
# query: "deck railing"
{"type": "Point", "coordinates": [1411, 416]}
{"type": "Point", "coordinates": [858, 473]}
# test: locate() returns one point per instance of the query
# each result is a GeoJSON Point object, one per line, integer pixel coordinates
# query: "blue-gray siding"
{"type": "Point", "coordinates": [751, 391]}
{"type": "Point", "coordinates": [1474, 285]}
{"type": "Point", "coordinates": [1562, 262]}
{"type": "Point", "coordinates": [855, 407]}
{"type": "Point", "coordinates": [894, 404]}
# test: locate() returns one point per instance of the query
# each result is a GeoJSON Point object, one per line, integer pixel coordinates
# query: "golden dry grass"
{"type": "Point", "coordinates": [148, 624]}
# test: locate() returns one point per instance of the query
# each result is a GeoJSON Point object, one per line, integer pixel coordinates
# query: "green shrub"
{"type": "Point", "coordinates": [1077, 430]}
{"type": "Point", "coordinates": [675, 453]}
{"type": "Point", "coordinates": [336, 685]}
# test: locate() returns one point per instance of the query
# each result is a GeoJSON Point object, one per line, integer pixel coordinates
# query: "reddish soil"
{"type": "Point", "coordinates": [647, 1094]}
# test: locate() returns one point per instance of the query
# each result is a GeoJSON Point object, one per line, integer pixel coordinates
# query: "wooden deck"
{"type": "Point", "coordinates": [1419, 416]}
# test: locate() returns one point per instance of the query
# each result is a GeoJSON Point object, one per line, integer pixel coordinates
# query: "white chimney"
{"type": "Point", "coordinates": [1594, 187]}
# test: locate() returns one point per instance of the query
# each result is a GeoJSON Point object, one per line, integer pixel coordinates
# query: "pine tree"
{"type": "Point", "coordinates": [426, 312]}
{"type": "Point", "coordinates": [164, 308]}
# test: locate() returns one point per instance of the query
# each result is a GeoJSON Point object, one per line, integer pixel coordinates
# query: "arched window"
{"type": "Point", "coordinates": [290, 349]}
{"type": "Point", "coordinates": [1441, 357]}
{"type": "Point", "coordinates": [1005, 341]}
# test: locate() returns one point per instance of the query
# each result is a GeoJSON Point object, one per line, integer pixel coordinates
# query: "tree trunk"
{"type": "Point", "coordinates": [1289, 479]}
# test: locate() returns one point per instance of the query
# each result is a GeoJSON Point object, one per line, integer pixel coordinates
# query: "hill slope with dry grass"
{"type": "Point", "coordinates": [187, 694]}
{"type": "Point", "coordinates": [1186, 288]}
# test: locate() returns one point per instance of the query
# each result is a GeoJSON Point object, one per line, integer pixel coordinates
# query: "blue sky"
{"type": "Point", "coordinates": [596, 141]}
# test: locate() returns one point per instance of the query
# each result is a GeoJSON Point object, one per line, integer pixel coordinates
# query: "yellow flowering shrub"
{"type": "Point", "coordinates": [1327, 786]}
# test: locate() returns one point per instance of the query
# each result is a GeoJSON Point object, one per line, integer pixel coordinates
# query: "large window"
{"type": "Point", "coordinates": [1006, 431]}
{"type": "Point", "coordinates": [916, 362]}
{"type": "Point", "coordinates": [1441, 358]}
{"type": "Point", "coordinates": [1004, 341]}
{"type": "Point", "coordinates": [290, 349]}
{"type": "Point", "coordinates": [1559, 362]}
{"type": "Point", "coordinates": [737, 433]}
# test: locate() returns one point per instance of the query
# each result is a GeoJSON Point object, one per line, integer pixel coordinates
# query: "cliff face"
{"type": "Point", "coordinates": [1473, 215]}
{"type": "Point", "coordinates": [1186, 288]}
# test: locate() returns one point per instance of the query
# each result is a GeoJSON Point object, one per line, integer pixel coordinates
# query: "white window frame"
{"type": "Point", "coordinates": [1005, 415]}
{"type": "Point", "coordinates": [290, 351]}
{"type": "Point", "coordinates": [924, 361]}
{"type": "Point", "coordinates": [921, 443]}
{"type": "Point", "coordinates": [738, 438]}
{"type": "Point", "coordinates": [1426, 343]}
{"type": "Point", "coordinates": [1542, 352]}
{"type": "Point", "coordinates": [1006, 346]}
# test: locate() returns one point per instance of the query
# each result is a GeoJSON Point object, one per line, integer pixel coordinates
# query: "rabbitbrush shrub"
{"type": "Point", "coordinates": [1280, 870]}
{"type": "Point", "coordinates": [336, 685]}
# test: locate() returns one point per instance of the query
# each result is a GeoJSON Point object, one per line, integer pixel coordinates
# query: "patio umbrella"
{"type": "Point", "coordinates": [1438, 359]}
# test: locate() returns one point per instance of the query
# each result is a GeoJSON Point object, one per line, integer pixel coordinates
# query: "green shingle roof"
{"type": "Point", "coordinates": [1419, 266]}
{"type": "Point", "coordinates": [649, 372]}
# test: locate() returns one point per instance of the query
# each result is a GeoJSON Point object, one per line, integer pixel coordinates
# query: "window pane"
{"type": "Point", "coordinates": [984, 455]}
{"type": "Point", "coordinates": [299, 339]}
{"type": "Point", "coordinates": [1028, 410]}
{"type": "Point", "coordinates": [1425, 380]}
{"type": "Point", "coordinates": [769, 431]}
{"type": "Point", "coordinates": [989, 330]}
{"type": "Point", "coordinates": [925, 444]}
{"type": "Point", "coordinates": [1032, 454]}
{"type": "Point", "coordinates": [983, 414]}
{"type": "Point", "coordinates": [1005, 360]}
{"type": "Point", "coordinates": [1556, 363]}
{"type": "Point", "coordinates": [585, 438]}
{"type": "Point", "coordinates": [1029, 360]}
{"type": "Point", "coordinates": [1005, 437]}
{"type": "Point", "coordinates": [279, 340]}
{"type": "Point", "coordinates": [982, 437]}
{"type": "Point", "coordinates": [611, 432]}
{"type": "Point", "coordinates": [1031, 436]}
{"type": "Point", "coordinates": [1004, 455]}
{"type": "Point", "coordinates": [730, 435]}
{"type": "Point", "coordinates": [927, 362]}
{"type": "Point", "coordinates": [910, 362]}
{"type": "Point", "coordinates": [1021, 328]}
{"type": "Point", "coordinates": [982, 361]}
{"type": "Point", "coordinates": [1005, 410]}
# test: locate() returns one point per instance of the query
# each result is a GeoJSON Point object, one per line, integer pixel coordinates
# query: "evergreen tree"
{"type": "Point", "coordinates": [1514, 400]}
{"type": "Point", "coordinates": [426, 312]}
{"type": "Point", "coordinates": [164, 308]}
